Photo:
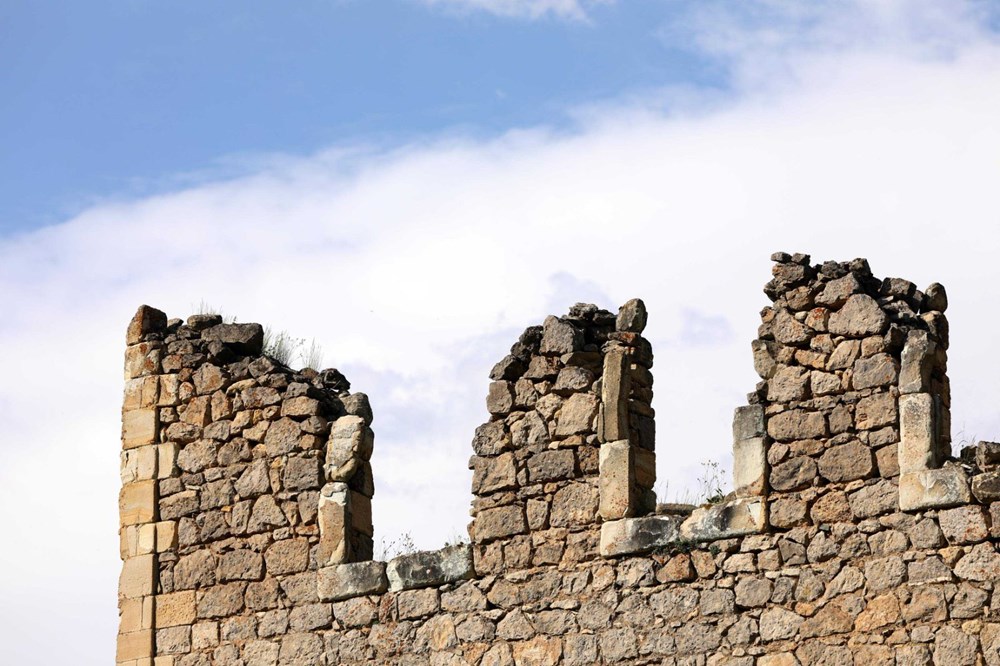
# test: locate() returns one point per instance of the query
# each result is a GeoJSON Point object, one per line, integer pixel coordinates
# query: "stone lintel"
{"type": "Point", "coordinates": [430, 568]}
{"type": "Point", "coordinates": [354, 579]}
{"type": "Point", "coordinates": [636, 535]}
{"type": "Point", "coordinates": [934, 489]}
{"type": "Point", "coordinates": [734, 518]}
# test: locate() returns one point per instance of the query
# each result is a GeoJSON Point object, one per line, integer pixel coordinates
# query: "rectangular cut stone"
{"type": "Point", "coordinates": [166, 459]}
{"type": "Point", "coordinates": [147, 539]}
{"type": "Point", "coordinates": [175, 609]}
{"type": "Point", "coordinates": [637, 535]}
{"type": "Point", "coordinates": [333, 520]}
{"type": "Point", "coordinates": [933, 489]}
{"type": "Point", "coordinates": [166, 536]}
{"type": "Point", "coordinates": [917, 363]}
{"type": "Point", "coordinates": [139, 428]}
{"type": "Point", "coordinates": [748, 422]}
{"type": "Point", "coordinates": [617, 481]}
{"type": "Point", "coordinates": [354, 579]}
{"type": "Point", "coordinates": [614, 396]}
{"type": "Point", "coordinates": [644, 467]}
{"type": "Point", "coordinates": [917, 434]}
{"type": "Point", "coordinates": [137, 503]}
{"type": "Point", "coordinates": [750, 467]}
{"type": "Point", "coordinates": [723, 521]}
{"type": "Point", "coordinates": [138, 464]}
{"type": "Point", "coordinates": [141, 393]}
{"type": "Point", "coordinates": [430, 568]}
{"type": "Point", "coordinates": [135, 645]}
{"type": "Point", "coordinates": [169, 391]}
{"type": "Point", "coordinates": [135, 615]}
{"type": "Point", "coordinates": [138, 577]}
{"type": "Point", "coordinates": [499, 522]}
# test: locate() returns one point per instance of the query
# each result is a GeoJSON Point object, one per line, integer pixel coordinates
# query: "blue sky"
{"type": "Point", "coordinates": [413, 183]}
{"type": "Point", "coordinates": [111, 99]}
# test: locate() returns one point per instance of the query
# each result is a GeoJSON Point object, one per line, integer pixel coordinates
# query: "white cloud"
{"type": "Point", "coordinates": [416, 268]}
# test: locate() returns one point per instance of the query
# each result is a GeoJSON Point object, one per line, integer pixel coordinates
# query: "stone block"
{"type": "Point", "coordinates": [875, 371]}
{"type": "Point", "coordinates": [138, 577]}
{"type": "Point", "coordinates": [551, 465]}
{"type": "Point", "coordinates": [636, 535]}
{"type": "Point", "coordinates": [917, 432]}
{"type": "Point", "coordinates": [617, 481]}
{"type": "Point", "coordinates": [140, 393]}
{"type": "Point", "coordinates": [166, 460]}
{"type": "Point", "coordinates": [560, 337]}
{"type": "Point", "coordinates": [986, 487]}
{"type": "Point", "coordinates": [360, 509]}
{"type": "Point", "coordinates": [146, 320]}
{"type": "Point", "coordinates": [139, 428]}
{"type": "Point", "coordinates": [796, 424]}
{"type": "Point", "coordinates": [138, 464]}
{"type": "Point", "coordinates": [933, 489]}
{"type": "Point", "coordinates": [135, 614]}
{"type": "Point", "coordinates": [964, 524]}
{"type": "Point", "coordinates": [245, 339]}
{"type": "Point", "coordinates": [344, 581]}
{"type": "Point", "coordinates": [875, 411]}
{"type": "Point", "coordinates": [134, 645]}
{"type": "Point", "coordinates": [166, 536]}
{"type": "Point", "coordinates": [499, 522]}
{"type": "Point", "coordinates": [729, 519]}
{"type": "Point", "coordinates": [749, 466]}
{"type": "Point", "coordinates": [614, 396]}
{"type": "Point", "coordinates": [917, 363]}
{"type": "Point", "coordinates": [175, 609]}
{"type": "Point", "coordinates": [491, 474]}
{"type": "Point", "coordinates": [748, 422]}
{"type": "Point", "coordinates": [500, 398]}
{"type": "Point", "coordinates": [430, 568]}
{"type": "Point", "coordinates": [644, 466]}
{"type": "Point", "coordinates": [987, 455]}
{"type": "Point", "coordinates": [631, 316]}
{"type": "Point", "coordinates": [859, 316]}
{"type": "Point", "coordinates": [137, 502]}
{"type": "Point", "coordinates": [334, 520]}
{"type": "Point", "coordinates": [577, 414]}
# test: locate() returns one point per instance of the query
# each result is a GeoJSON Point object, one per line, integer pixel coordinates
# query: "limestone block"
{"type": "Point", "coordinates": [917, 363]}
{"type": "Point", "coordinates": [137, 502]}
{"type": "Point", "coordinates": [749, 466]}
{"type": "Point", "coordinates": [140, 393]}
{"type": "Point", "coordinates": [431, 568]}
{"type": "Point", "coordinates": [748, 422]}
{"type": "Point", "coordinates": [875, 411]}
{"type": "Point", "coordinates": [147, 539]}
{"type": "Point", "coordinates": [139, 428]}
{"type": "Point", "coordinates": [725, 520]}
{"type": "Point", "coordinates": [142, 359]}
{"type": "Point", "coordinates": [617, 481]}
{"type": "Point", "coordinates": [134, 645]}
{"type": "Point", "coordinates": [344, 581]}
{"type": "Point", "coordinates": [138, 464]}
{"type": "Point", "coordinates": [135, 614]}
{"type": "Point", "coordinates": [169, 393]}
{"type": "Point", "coordinates": [166, 460]}
{"type": "Point", "coordinates": [138, 577]}
{"type": "Point", "coordinates": [577, 414]}
{"type": "Point", "coordinates": [166, 536]}
{"type": "Point", "coordinates": [175, 609]}
{"type": "Point", "coordinates": [636, 535]}
{"type": "Point", "coordinates": [933, 488]}
{"type": "Point", "coordinates": [333, 519]}
{"type": "Point", "coordinates": [614, 396]}
{"type": "Point", "coordinates": [917, 433]}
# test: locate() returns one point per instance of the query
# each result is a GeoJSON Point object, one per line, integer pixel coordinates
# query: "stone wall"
{"type": "Point", "coordinates": [852, 536]}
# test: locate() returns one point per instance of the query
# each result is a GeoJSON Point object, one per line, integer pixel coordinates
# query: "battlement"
{"type": "Point", "coordinates": [852, 534]}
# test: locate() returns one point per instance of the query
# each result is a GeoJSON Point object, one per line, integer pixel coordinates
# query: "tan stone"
{"type": "Point", "coordinates": [499, 522]}
{"type": "Point", "coordinates": [135, 614]}
{"type": "Point", "coordinates": [175, 609]}
{"type": "Point", "coordinates": [166, 460]}
{"type": "Point", "coordinates": [137, 502]}
{"type": "Point", "coordinates": [614, 396]}
{"type": "Point", "coordinates": [166, 536]}
{"type": "Point", "coordinates": [964, 524]}
{"type": "Point", "coordinates": [539, 651]}
{"type": "Point", "coordinates": [750, 467]}
{"type": "Point", "coordinates": [134, 645]}
{"type": "Point", "coordinates": [617, 481]}
{"type": "Point", "coordinates": [917, 433]}
{"type": "Point", "coordinates": [138, 464]}
{"type": "Point", "coordinates": [859, 316]}
{"type": "Point", "coordinates": [492, 474]}
{"type": "Point", "coordinates": [139, 428]}
{"type": "Point", "coordinates": [140, 393]}
{"type": "Point", "coordinates": [138, 577]}
{"type": "Point", "coordinates": [933, 488]}
{"type": "Point", "coordinates": [577, 414]}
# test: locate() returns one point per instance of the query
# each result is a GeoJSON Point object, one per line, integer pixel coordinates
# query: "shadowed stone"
{"type": "Point", "coordinates": [430, 568]}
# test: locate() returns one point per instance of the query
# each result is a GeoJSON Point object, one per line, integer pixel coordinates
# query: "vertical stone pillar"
{"type": "Point", "coordinates": [137, 501]}
{"type": "Point", "coordinates": [345, 513]}
{"type": "Point", "coordinates": [749, 451]}
{"type": "Point", "coordinates": [627, 457]}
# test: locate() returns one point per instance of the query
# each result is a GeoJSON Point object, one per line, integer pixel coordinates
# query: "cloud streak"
{"type": "Point", "coordinates": [417, 266]}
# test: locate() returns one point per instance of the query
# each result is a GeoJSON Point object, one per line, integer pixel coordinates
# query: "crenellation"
{"type": "Point", "coordinates": [852, 534]}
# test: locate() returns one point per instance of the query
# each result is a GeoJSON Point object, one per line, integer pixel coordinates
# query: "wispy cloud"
{"type": "Point", "coordinates": [524, 9]}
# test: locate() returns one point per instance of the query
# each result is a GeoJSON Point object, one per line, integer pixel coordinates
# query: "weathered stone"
{"type": "Point", "coordinates": [137, 502]}
{"type": "Point", "coordinates": [632, 316]}
{"type": "Point", "coordinates": [846, 462]}
{"type": "Point", "coordinates": [577, 414]}
{"type": "Point", "coordinates": [146, 320]}
{"type": "Point", "coordinates": [617, 481]}
{"type": "Point", "coordinates": [789, 383]}
{"type": "Point", "coordinates": [560, 337]}
{"type": "Point", "coordinates": [500, 399]}
{"type": "Point", "coordinates": [175, 609]}
{"type": "Point", "coordinates": [796, 424]}
{"type": "Point", "coordinates": [614, 396]}
{"type": "Point", "coordinates": [430, 568]}
{"type": "Point", "coordinates": [551, 465]}
{"type": "Point", "coordinates": [875, 411]}
{"type": "Point", "coordinates": [353, 579]}
{"type": "Point", "coordinates": [935, 298]}
{"type": "Point", "coordinates": [725, 520]}
{"type": "Point", "coordinates": [499, 522]}
{"type": "Point", "coordinates": [986, 487]}
{"type": "Point", "coordinates": [964, 524]}
{"type": "Point", "coordinates": [933, 488]}
{"type": "Point", "coordinates": [246, 339]}
{"type": "Point", "coordinates": [860, 315]}
{"type": "Point", "coordinates": [982, 563]}
{"type": "Point", "coordinates": [875, 499]}
{"type": "Point", "coordinates": [875, 371]}
{"type": "Point", "coordinates": [778, 624]}
{"type": "Point", "coordinates": [750, 467]}
{"type": "Point", "coordinates": [637, 535]}
{"type": "Point", "coordinates": [493, 474]}
{"type": "Point", "coordinates": [799, 472]}
{"type": "Point", "coordinates": [140, 427]}
{"type": "Point", "coordinates": [574, 504]}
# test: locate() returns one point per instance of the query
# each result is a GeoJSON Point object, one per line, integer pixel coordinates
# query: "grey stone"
{"type": "Point", "coordinates": [933, 488]}
{"type": "Point", "coordinates": [632, 316]}
{"type": "Point", "coordinates": [859, 316]}
{"type": "Point", "coordinates": [245, 339]}
{"type": "Point", "coordinates": [836, 292]}
{"type": "Point", "coordinates": [935, 298]}
{"type": "Point", "coordinates": [344, 581]}
{"type": "Point", "coordinates": [430, 568]}
{"type": "Point", "coordinates": [637, 535]}
{"type": "Point", "coordinates": [560, 337]}
{"type": "Point", "coordinates": [917, 432]}
{"type": "Point", "coordinates": [728, 519]}
{"type": "Point", "coordinates": [875, 371]}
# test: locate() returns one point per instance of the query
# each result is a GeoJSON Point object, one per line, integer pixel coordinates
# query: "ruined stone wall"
{"type": "Point", "coordinates": [852, 536]}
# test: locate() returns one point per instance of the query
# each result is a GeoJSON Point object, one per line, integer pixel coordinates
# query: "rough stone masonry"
{"type": "Point", "coordinates": [852, 536]}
